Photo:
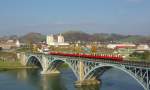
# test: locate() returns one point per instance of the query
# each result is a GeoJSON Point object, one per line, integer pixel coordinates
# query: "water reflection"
{"type": "Point", "coordinates": [96, 87]}
{"type": "Point", "coordinates": [31, 79]}
{"type": "Point", "coordinates": [41, 82]}
{"type": "Point", "coordinates": [22, 75]}
{"type": "Point", "coordinates": [44, 83]}
{"type": "Point", "coordinates": [51, 82]}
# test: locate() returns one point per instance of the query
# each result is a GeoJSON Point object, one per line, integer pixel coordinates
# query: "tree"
{"type": "Point", "coordinates": [93, 49]}
{"type": "Point", "coordinates": [144, 56]}
{"type": "Point", "coordinates": [78, 49]}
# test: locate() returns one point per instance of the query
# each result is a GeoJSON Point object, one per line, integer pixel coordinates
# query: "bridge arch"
{"type": "Point", "coordinates": [122, 68]}
{"type": "Point", "coordinates": [68, 63]}
{"type": "Point", "coordinates": [30, 58]}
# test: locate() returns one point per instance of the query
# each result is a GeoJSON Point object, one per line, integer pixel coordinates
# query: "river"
{"type": "Point", "coordinates": [31, 79]}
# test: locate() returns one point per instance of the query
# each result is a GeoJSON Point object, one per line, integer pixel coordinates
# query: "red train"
{"type": "Point", "coordinates": [90, 56]}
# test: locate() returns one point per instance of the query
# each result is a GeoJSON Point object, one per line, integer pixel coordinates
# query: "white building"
{"type": "Point", "coordinates": [143, 47]}
{"type": "Point", "coordinates": [49, 39]}
{"type": "Point", "coordinates": [59, 42]}
{"type": "Point", "coordinates": [112, 46]}
{"type": "Point", "coordinates": [10, 44]}
{"type": "Point", "coordinates": [17, 43]}
{"type": "Point", "coordinates": [60, 39]}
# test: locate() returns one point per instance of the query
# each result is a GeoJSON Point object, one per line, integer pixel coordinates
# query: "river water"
{"type": "Point", "coordinates": [31, 79]}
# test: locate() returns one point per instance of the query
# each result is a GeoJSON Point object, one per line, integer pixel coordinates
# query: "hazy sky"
{"type": "Point", "coordinates": [54, 16]}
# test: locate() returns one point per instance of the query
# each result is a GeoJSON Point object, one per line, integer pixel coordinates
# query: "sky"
{"type": "Point", "coordinates": [18, 17]}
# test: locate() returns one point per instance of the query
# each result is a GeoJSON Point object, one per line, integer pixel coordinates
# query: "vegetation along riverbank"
{"type": "Point", "coordinates": [8, 60]}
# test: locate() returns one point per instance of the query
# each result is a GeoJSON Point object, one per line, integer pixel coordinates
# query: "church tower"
{"type": "Point", "coordinates": [49, 39]}
{"type": "Point", "coordinates": [60, 39]}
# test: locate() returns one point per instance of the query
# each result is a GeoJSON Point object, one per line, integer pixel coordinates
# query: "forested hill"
{"type": "Point", "coordinates": [72, 36]}
{"type": "Point", "coordinates": [104, 37]}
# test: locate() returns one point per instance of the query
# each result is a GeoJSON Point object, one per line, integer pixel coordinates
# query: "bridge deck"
{"type": "Point", "coordinates": [124, 62]}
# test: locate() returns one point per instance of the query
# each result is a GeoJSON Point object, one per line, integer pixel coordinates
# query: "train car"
{"type": "Point", "coordinates": [90, 56]}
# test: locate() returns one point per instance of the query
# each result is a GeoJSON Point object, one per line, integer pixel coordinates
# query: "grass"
{"type": "Point", "coordinates": [10, 64]}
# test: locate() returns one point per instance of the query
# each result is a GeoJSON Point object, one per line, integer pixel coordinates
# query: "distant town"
{"type": "Point", "coordinates": [80, 42]}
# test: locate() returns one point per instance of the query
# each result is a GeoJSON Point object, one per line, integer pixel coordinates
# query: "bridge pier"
{"type": "Point", "coordinates": [81, 71]}
{"type": "Point", "coordinates": [86, 83]}
{"type": "Point", "coordinates": [50, 72]}
{"type": "Point", "coordinates": [46, 66]}
{"type": "Point", "coordinates": [22, 57]}
{"type": "Point", "coordinates": [82, 81]}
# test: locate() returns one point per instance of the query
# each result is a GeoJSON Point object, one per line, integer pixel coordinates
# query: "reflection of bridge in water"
{"type": "Point", "coordinates": [88, 70]}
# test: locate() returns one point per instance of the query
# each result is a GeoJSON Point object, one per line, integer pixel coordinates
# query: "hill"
{"type": "Point", "coordinates": [72, 36]}
{"type": "Point", "coordinates": [32, 37]}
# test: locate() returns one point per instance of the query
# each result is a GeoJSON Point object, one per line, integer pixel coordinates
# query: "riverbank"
{"type": "Point", "coordinates": [13, 65]}
{"type": "Point", "coordinates": [17, 65]}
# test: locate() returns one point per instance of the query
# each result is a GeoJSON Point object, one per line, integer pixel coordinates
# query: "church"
{"type": "Point", "coordinates": [59, 42]}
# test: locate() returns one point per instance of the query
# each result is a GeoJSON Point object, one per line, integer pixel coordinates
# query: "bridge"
{"type": "Point", "coordinates": [88, 70]}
